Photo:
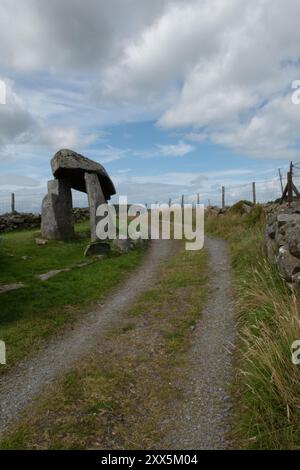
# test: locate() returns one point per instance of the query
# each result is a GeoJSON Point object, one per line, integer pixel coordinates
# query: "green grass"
{"type": "Point", "coordinates": [123, 396]}
{"type": "Point", "coordinates": [267, 412]}
{"type": "Point", "coordinates": [39, 310]}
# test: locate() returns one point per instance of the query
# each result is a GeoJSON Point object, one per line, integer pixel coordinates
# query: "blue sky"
{"type": "Point", "coordinates": [172, 97]}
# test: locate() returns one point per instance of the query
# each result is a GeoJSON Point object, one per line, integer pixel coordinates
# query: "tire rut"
{"type": "Point", "coordinates": [23, 383]}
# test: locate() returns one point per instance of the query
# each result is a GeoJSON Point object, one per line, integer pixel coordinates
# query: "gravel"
{"type": "Point", "coordinates": [201, 421]}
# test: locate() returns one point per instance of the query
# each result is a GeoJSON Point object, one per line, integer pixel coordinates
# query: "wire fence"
{"type": "Point", "coordinates": [20, 202]}
{"type": "Point", "coordinates": [226, 195]}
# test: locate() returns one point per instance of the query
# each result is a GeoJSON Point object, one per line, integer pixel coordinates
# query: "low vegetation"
{"type": "Point", "coordinates": [33, 313]}
{"type": "Point", "coordinates": [122, 395]}
{"type": "Point", "coordinates": [117, 397]}
{"type": "Point", "coordinates": [267, 414]}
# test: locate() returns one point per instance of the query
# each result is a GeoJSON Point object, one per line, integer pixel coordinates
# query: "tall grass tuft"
{"type": "Point", "coordinates": [267, 384]}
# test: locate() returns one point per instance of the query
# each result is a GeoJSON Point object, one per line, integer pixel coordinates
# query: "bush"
{"type": "Point", "coordinates": [238, 207]}
{"type": "Point", "coordinates": [256, 215]}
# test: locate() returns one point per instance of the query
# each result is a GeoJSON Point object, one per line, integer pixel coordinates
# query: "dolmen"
{"type": "Point", "coordinates": [72, 170]}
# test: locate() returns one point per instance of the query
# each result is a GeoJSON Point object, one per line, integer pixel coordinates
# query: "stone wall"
{"type": "Point", "coordinates": [9, 222]}
{"type": "Point", "coordinates": [282, 241]}
{"type": "Point", "coordinates": [80, 214]}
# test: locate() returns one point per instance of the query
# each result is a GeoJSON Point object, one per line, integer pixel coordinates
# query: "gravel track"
{"type": "Point", "coordinates": [201, 421]}
{"type": "Point", "coordinates": [22, 384]}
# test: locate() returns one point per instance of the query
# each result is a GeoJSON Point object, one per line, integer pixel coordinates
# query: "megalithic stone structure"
{"type": "Point", "coordinates": [72, 170]}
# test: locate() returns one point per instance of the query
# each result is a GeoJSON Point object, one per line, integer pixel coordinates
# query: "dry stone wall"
{"type": "Point", "coordinates": [282, 241]}
{"type": "Point", "coordinates": [18, 220]}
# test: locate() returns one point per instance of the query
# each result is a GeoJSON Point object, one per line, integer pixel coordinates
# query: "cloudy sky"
{"type": "Point", "coordinates": [172, 96]}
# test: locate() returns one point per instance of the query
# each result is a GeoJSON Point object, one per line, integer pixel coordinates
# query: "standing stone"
{"type": "Point", "coordinates": [57, 217]}
{"type": "Point", "coordinates": [96, 197]}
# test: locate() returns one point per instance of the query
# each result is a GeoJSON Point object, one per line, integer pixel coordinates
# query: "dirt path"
{"type": "Point", "coordinates": [20, 386]}
{"type": "Point", "coordinates": [201, 422]}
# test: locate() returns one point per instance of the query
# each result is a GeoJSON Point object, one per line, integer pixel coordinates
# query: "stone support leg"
{"type": "Point", "coordinates": [57, 216]}
{"type": "Point", "coordinates": [96, 197]}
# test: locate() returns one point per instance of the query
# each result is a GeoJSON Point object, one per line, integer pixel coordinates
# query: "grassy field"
{"type": "Point", "coordinates": [122, 397]}
{"type": "Point", "coordinates": [33, 313]}
{"type": "Point", "coordinates": [267, 384]}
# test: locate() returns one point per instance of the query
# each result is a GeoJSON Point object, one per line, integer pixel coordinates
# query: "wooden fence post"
{"type": "Point", "coordinates": [182, 201]}
{"type": "Point", "coordinates": [13, 203]}
{"type": "Point", "coordinates": [254, 193]}
{"type": "Point", "coordinates": [289, 188]}
{"type": "Point", "coordinates": [280, 177]}
{"type": "Point", "coordinates": [223, 197]}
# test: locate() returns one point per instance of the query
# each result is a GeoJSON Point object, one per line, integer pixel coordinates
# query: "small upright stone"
{"type": "Point", "coordinates": [99, 248]}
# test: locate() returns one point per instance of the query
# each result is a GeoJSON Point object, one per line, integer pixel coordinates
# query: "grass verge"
{"type": "Point", "coordinates": [120, 397]}
{"type": "Point", "coordinates": [267, 383]}
{"type": "Point", "coordinates": [31, 314]}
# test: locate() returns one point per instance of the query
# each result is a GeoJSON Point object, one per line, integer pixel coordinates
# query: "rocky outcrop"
{"type": "Point", "coordinates": [240, 208]}
{"type": "Point", "coordinates": [123, 246]}
{"type": "Point", "coordinates": [282, 241]}
{"type": "Point", "coordinates": [214, 211]}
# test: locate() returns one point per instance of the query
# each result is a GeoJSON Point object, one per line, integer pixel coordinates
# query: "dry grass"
{"type": "Point", "coordinates": [267, 383]}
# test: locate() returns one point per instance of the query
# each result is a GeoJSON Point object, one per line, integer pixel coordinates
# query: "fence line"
{"type": "Point", "coordinates": [17, 202]}
{"type": "Point", "coordinates": [225, 195]}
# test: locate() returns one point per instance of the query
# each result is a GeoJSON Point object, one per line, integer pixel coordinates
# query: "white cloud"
{"type": "Point", "coordinates": [71, 34]}
{"type": "Point", "coordinates": [175, 150]}
{"type": "Point", "coordinates": [64, 137]}
{"type": "Point", "coordinates": [180, 149]}
{"type": "Point", "coordinates": [147, 191]}
{"type": "Point", "coordinates": [218, 71]}
{"type": "Point", "coordinates": [272, 132]}
{"type": "Point", "coordinates": [109, 153]}
{"type": "Point", "coordinates": [238, 185]}
{"type": "Point", "coordinates": [11, 179]}
{"type": "Point", "coordinates": [15, 120]}
{"type": "Point", "coordinates": [229, 61]}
